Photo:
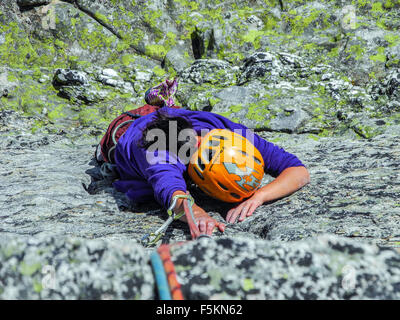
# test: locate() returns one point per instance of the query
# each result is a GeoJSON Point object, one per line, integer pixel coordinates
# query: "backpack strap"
{"type": "Point", "coordinates": [113, 136]}
{"type": "Point", "coordinates": [132, 115]}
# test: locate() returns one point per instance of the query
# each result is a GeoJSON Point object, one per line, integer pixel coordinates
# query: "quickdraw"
{"type": "Point", "coordinates": [152, 238]}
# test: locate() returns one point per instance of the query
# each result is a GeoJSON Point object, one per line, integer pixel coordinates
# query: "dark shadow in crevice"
{"type": "Point", "coordinates": [197, 44]}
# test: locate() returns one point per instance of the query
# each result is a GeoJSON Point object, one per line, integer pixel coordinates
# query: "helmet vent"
{"type": "Point", "coordinates": [213, 143]}
{"type": "Point", "coordinates": [235, 195]}
{"type": "Point", "coordinates": [243, 153]}
{"type": "Point", "coordinates": [222, 186]}
{"type": "Point", "coordinates": [220, 137]}
{"type": "Point", "coordinates": [257, 160]}
{"type": "Point", "coordinates": [208, 154]}
{"type": "Point", "coordinates": [198, 173]}
{"type": "Point", "coordinates": [201, 165]}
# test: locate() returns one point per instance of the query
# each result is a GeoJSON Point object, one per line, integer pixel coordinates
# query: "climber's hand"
{"type": "Point", "coordinates": [206, 224]}
{"type": "Point", "coordinates": [244, 210]}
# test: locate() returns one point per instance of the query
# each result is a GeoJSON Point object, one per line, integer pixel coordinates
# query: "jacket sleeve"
{"type": "Point", "coordinates": [165, 176]}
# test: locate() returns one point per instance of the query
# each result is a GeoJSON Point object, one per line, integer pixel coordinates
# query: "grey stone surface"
{"type": "Point", "coordinates": [325, 267]}
{"type": "Point", "coordinates": [213, 71]}
{"type": "Point", "coordinates": [68, 269]}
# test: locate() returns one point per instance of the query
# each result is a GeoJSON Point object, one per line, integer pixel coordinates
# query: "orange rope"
{"type": "Point", "coordinates": [174, 285]}
{"type": "Point", "coordinates": [165, 255]}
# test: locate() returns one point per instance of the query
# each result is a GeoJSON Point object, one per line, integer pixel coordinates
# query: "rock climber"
{"type": "Point", "coordinates": [226, 160]}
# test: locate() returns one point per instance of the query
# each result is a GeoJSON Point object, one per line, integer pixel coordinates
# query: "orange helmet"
{"type": "Point", "coordinates": [226, 166]}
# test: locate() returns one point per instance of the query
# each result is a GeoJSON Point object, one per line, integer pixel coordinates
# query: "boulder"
{"type": "Point", "coordinates": [325, 267]}
{"type": "Point", "coordinates": [60, 268]}
{"type": "Point", "coordinates": [212, 71]}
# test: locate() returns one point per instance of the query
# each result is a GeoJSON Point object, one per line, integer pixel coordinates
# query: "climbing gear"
{"type": "Point", "coordinates": [167, 283]}
{"type": "Point", "coordinates": [174, 286]}
{"type": "Point", "coordinates": [152, 238]}
{"type": "Point", "coordinates": [109, 171]}
{"type": "Point", "coordinates": [160, 277]}
{"type": "Point", "coordinates": [226, 166]}
{"type": "Point", "coordinates": [162, 94]}
{"type": "Point", "coordinates": [118, 127]}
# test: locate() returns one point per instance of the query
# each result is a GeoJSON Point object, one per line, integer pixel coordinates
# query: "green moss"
{"type": "Point", "coordinates": [156, 51]}
{"type": "Point", "coordinates": [256, 112]}
{"type": "Point", "coordinates": [362, 3]}
{"type": "Point", "coordinates": [393, 39]}
{"type": "Point", "coordinates": [236, 108]}
{"type": "Point", "coordinates": [56, 113]}
{"type": "Point", "coordinates": [372, 75]}
{"type": "Point", "coordinates": [334, 53]}
{"type": "Point", "coordinates": [158, 71]}
{"type": "Point", "coordinates": [324, 133]}
{"type": "Point", "coordinates": [356, 51]}
{"type": "Point", "coordinates": [380, 56]}
{"type": "Point", "coordinates": [29, 269]}
{"type": "Point", "coordinates": [213, 101]}
{"type": "Point", "coordinates": [73, 21]}
{"type": "Point", "coordinates": [299, 22]}
{"type": "Point", "coordinates": [253, 36]}
{"type": "Point", "coordinates": [377, 7]}
{"type": "Point", "coordinates": [365, 131]}
{"type": "Point", "coordinates": [313, 136]}
{"type": "Point", "coordinates": [17, 50]}
{"type": "Point", "coordinates": [224, 114]}
{"type": "Point", "coordinates": [95, 40]}
{"type": "Point", "coordinates": [171, 39]}
{"type": "Point", "coordinates": [389, 4]}
{"type": "Point", "coordinates": [248, 284]}
{"type": "Point", "coordinates": [122, 45]}
{"type": "Point", "coordinates": [127, 59]}
{"type": "Point", "coordinates": [37, 286]}
{"type": "Point", "coordinates": [101, 17]}
{"type": "Point", "coordinates": [90, 116]}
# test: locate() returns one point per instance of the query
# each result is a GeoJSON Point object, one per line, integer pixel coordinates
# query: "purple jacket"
{"type": "Point", "coordinates": [142, 181]}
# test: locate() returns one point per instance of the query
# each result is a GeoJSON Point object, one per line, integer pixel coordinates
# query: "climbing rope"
{"type": "Point", "coordinates": [174, 286]}
{"type": "Point", "coordinates": [167, 282]}
{"type": "Point", "coordinates": [163, 267]}
{"type": "Point", "coordinates": [160, 276]}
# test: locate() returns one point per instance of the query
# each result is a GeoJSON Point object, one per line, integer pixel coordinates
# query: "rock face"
{"type": "Point", "coordinates": [319, 79]}
{"type": "Point", "coordinates": [60, 268]}
{"type": "Point", "coordinates": [59, 192]}
{"type": "Point", "coordinates": [325, 267]}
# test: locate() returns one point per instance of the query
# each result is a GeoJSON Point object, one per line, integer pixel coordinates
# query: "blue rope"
{"type": "Point", "coordinates": [161, 278]}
